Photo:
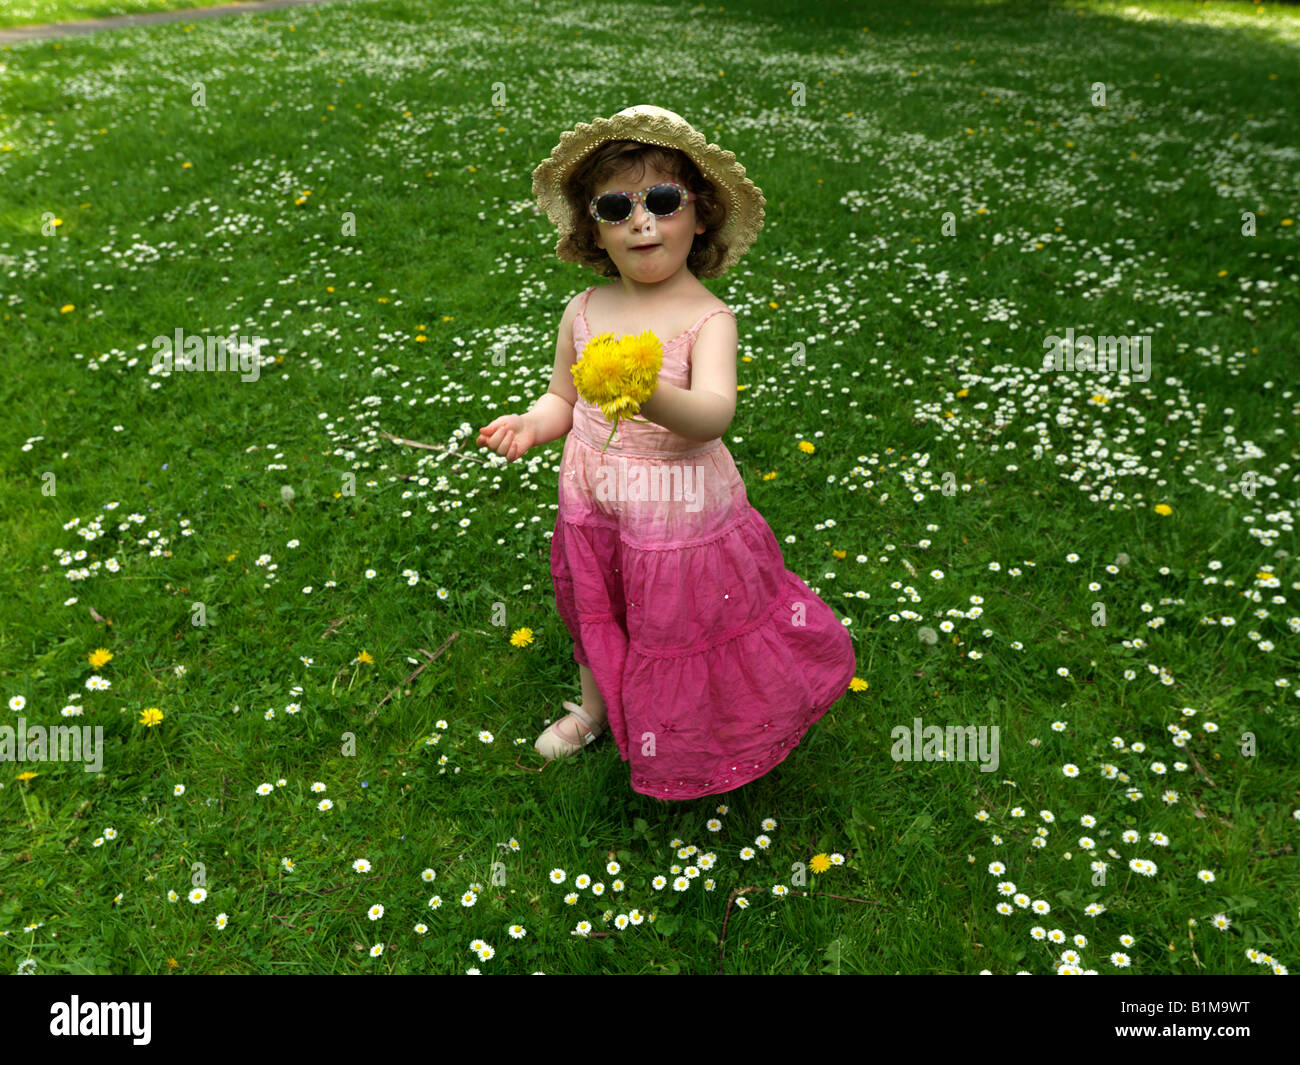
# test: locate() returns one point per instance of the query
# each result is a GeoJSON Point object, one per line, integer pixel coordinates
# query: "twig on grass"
{"type": "Point", "coordinates": [419, 669]}
{"type": "Point", "coordinates": [441, 448]}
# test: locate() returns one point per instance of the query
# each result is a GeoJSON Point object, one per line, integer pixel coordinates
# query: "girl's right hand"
{"type": "Point", "coordinates": [509, 436]}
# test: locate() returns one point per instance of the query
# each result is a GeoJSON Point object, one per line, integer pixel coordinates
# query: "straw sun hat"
{"type": "Point", "coordinates": [652, 125]}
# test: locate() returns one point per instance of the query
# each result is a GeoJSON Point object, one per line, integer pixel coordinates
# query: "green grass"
{"type": "Point", "coordinates": [1123, 219]}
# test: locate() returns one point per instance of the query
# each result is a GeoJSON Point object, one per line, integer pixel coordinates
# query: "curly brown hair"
{"type": "Point", "coordinates": [613, 157]}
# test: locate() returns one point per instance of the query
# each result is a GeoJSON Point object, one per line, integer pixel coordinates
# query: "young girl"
{"type": "Point", "coordinates": [703, 655]}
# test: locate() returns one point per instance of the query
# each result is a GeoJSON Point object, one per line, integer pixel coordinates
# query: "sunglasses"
{"type": "Point", "coordinates": [615, 207]}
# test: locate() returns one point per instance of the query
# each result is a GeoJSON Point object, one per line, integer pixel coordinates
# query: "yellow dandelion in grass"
{"type": "Point", "coordinates": [151, 716]}
{"type": "Point", "coordinates": [619, 375]}
{"type": "Point", "coordinates": [1164, 509]}
{"type": "Point", "coordinates": [29, 775]}
{"type": "Point", "coordinates": [67, 308]}
{"type": "Point", "coordinates": [364, 656]}
{"type": "Point", "coordinates": [857, 684]}
{"type": "Point", "coordinates": [820, 863]}
{"type": "Point", "coordinates": [521, 637]}
{"type": "Point", "coordinates": [807, 447]}
{"type": "Point", "coordinates": [101, 656]}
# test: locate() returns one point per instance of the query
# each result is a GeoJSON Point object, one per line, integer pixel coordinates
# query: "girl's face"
{"type": "Point", "coordinates": [669, 238]}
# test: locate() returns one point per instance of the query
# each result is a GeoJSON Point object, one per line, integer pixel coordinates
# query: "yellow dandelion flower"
{"type": "Point", "coordinates": [151, 716]}
{"type": "Point", "coordinates": [364, 656]}
{"type": "Point", "coordinates": [619, 375]}
{"type": "Point", "coordinates": [1164, 509]}
{"type": "Point", "coordinates": [99, 657]}
{"type": "Point", "coordinates": [67, 307]}
{"type": "Point", "coordinates": [857, 684]}
{"type": "Point", "coordinates": [807, 447]}
{"type": "Point", "coordinates": [963, 392]}
{"type": "Point", "coordinates": [839, 554]}
{"type": "Point", "coordinates": [29, 775]}
{"type": "Point", "coordinates": [521, 637]}
{"type": "Point", "coordinates": [820, 863]}
{"type": "Point", "coordinates": [769, 476]}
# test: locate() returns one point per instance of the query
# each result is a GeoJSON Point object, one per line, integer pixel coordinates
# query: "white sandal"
{"type": "Point", "coordinates": [551, 746]}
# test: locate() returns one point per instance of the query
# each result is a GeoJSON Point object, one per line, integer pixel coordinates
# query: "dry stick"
{"type": "Point", "coordinates": [722, 938]}
{"type": "Point", "coordinates": [334, 625]}
{"type": "Point", "coordinates": [433, 447]}
{"type": "Point", "coordinates": [419, 669]}
{"type": "Point", "coordinates": [1200, 768]}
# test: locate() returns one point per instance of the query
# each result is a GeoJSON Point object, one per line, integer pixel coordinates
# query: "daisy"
{"type": "Point", "coordinates": [376, 950]}
{"type": "Point", "coordinates": [660, 882]}
{"type": "Point", "coordinates": [1021, 900]}
{"type": "Point", "coordinates": [780, 890]}
{"type": "Point", "coordinates": [421, 929]}
{"type": "Point", "coordinates": [375, 912]}
{"type": "Point", "coordinates": [582, 881]}
{"type": "Point", "coordinates": [1005, 908]}
{"type": "Point", "coordinates": [622, 921]}
{"type": "Point", "coordinates": [1094, 909]}
{"type": "Point", "coordinates": [768, 824]}
{"type": "Point", "coordinates": [325, 804]}
{"type": "Point", "coordinates": [763, 842]}
{"type": "Point", "coordinates": [1206, 876]}
{"type": "Point", "coordinates": [468, 899]}
{"type": "Point", "coordinates": [584, 928]}
{"type": "Point", "coordinates": [571, 898]}
{"type": "Point", "coordinates": [428, 876]}
{"type": "Point", "coordinates": [1221, 922]}
{"type": "Point", "coordinates": [222, 920]}
{"type": "Point", "coordinates": [997, 868]}
{"type": "Point", "coordinates": [1056, 935]}
{"type": "Point", "coordinates": [681, 883]}
{"type": "Point", "coordinates": [361, 865]}
{"type": "Point", "coordinates": [1126, 941]}
{"type": "Point", "coordinates": [1041, 906]}
{"type": "Point", "coordinates": [557, 876]}
{"type": "Point", "coordinates": [1070, 769]}
{"type": "Point", "coordinates": [1006, 888]}
{"type": "Point", "coordinates": [1038, 932]}
{"type": "Point", "coordinates": [178, 790]}
{"type": "Point", "coordinates": [486, 953]}
{"type": "Point", "coordinates": [198, 895]}
{"type": "Point", "coordinates": [1120, 961]}
{"type": "Point", "coordinates": [714, 825]}
{"type": "Point", "coordinates": [613, 868]}
{"type": "Point", "coordinates": [264, 789]}
{"type": "Point", "coordinates": [318, 787]}
{"type": "Point", "coordinates": [517, 931]}
{"type": "Point", "coordinates": [746, 853]}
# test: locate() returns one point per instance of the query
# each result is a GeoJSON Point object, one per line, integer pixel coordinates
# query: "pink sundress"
{"type": "Point", "coordinates": [712, 658]}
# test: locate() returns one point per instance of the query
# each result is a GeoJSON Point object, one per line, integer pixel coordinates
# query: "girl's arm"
{"type": "Point", "coordinates": [552, 415]}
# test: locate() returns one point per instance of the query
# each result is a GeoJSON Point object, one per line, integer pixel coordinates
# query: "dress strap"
{"type": "Point", "coordinates": [710, 314]}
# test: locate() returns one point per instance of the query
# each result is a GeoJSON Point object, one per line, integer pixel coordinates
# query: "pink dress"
{"type": "Point", "coordinates": [712, 658]}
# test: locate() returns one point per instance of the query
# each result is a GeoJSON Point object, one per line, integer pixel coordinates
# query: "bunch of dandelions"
{"type": "Point", "coordinates": [619, 375]}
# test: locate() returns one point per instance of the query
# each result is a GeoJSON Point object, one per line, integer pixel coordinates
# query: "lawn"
{"type": "Point", "coordinates": [318, 657]}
